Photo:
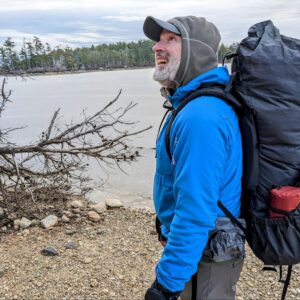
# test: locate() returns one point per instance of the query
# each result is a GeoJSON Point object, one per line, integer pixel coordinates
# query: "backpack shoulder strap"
{"type": "Point", "coordinates": [213, 90]}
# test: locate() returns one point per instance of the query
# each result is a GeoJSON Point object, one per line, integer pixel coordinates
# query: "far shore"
{"type": "Point", "coordinates": [72, 72]}
{"type": "Point", "coordinates": [81, 71]}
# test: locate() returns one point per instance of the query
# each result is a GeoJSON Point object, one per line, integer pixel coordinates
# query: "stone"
{"type": "Point", "coordinates": [17, 224]}
{"type": "Point", "coordinates": [76, 204]}
{"type": "Point", "coordinates": [49, 221]}
{"type": "Point", "coordinates": [76, 211]}
{"type": "Point", "coordinates": [2, 272]}
{"type": "Point", "coordinates": [99, 208]}
{"type": "Point", "coordinates": [96, 197]}
{"type": "Point", "coordinates": [71, 231]}
{"type": "Point", "coordinates": [100, 232]}
{"type": "Point", "coordinates": [65, 219]}
{"type": "Point", "coordinates": [25, 232]}
{"type": "Point", "coordinates": [35, 222]}
{"type": "Point", "coordinates": [49, 251]}
{"type": "Point", "coordinates": [12, 216]}
{"type": "Point", "coordinates": [294, 291]}
{"type": "Point", "coordinates": [68, 213]}
{"type": "Point", "coordinates": [113, 203]}
{"type": "Point", "coordinates": [87, 260]}
{"type": "Point", "coordinates": [25, 223]}
{"type": "Point", "coordinates": [4, 229]}
{"type": "Point", "coordinates": [93, 216]}
{"type": "Point", "coordinates": [78, 220]}
{"type": "Point", "coordinates": [1, 212]}
{"type": "Point", "coordinates": [71, 245]}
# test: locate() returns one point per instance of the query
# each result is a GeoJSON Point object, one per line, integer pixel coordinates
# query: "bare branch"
{"type": "Point", "coordinates": [51, 124]}
{"type": "Point", "coordinates": [58, 160]}
{"type": "Point", "coordinates": [5, 97]}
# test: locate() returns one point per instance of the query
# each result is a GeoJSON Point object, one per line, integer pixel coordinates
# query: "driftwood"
{"type": "Point", "coordinates": [58, 160]}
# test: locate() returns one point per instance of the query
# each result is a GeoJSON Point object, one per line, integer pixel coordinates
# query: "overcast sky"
{"type": "Point", "coordinates": [84, 22]}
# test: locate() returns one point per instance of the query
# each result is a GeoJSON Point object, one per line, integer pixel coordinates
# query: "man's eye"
{"type": "Point", "coordinates": [171, 38]}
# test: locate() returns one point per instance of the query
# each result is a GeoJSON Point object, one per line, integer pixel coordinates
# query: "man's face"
{"type": "Point", "coordinates": [167, 58]}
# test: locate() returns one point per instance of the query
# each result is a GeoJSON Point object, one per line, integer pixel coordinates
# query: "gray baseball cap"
{"type": "Point", "coordinates": [153, 28]}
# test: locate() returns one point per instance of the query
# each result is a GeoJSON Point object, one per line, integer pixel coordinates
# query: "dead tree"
{"type": "Point", "coordinates": [57, 162]}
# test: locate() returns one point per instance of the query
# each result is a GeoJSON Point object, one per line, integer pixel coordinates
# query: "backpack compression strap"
{"type": "Point", "coordinates": [286, 282]}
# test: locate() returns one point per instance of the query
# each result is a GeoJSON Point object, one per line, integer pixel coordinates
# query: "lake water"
{"type": "Point", "coordinates": [35, 99]}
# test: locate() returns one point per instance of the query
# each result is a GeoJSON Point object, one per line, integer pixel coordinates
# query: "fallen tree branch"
{"type": "Point", "coordinates": [60, 157]}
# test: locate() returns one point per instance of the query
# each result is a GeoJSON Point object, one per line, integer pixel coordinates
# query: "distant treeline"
{"type": "Point", "coordinates": [36, 57]}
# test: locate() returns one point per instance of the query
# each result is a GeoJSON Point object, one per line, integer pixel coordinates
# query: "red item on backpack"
{"type": "Point", "coordinates": [284, 200]}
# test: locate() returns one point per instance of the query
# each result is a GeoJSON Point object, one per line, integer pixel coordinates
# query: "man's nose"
{"type": "Point", "coordinates": [159, 46]}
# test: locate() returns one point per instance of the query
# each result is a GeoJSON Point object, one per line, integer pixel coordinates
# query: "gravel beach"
{"type": "Point", "coordinates": [112, 258]}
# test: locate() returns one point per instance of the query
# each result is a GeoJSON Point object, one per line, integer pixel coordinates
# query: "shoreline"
{"type": "Point", "coordinates": [113, 259]}
{"type": "Point", "coordinates": [74, 72]}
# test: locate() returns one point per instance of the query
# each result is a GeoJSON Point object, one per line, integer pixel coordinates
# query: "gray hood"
{"type": "Point", "coordinates": [200, 41]}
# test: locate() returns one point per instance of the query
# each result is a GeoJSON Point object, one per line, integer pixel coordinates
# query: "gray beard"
{"type": "Point", "coordinates": [165, 75]}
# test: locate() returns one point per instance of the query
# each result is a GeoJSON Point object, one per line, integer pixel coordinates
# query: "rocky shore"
{"type": "Point", "coordinates": [98, 253]}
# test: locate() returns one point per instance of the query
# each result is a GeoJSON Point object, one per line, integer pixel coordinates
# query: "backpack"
{"type": "Point", "coordinates": [264, 90]}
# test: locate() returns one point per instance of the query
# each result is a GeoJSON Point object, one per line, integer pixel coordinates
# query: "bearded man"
{"type": "Point", "coordinates": [202, 256]}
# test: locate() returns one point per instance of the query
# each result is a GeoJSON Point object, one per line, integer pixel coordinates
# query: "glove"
{"type": "Point", "coordinates": [158, 292]}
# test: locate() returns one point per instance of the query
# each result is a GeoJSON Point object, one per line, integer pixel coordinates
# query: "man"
{"type": "Point", "coordinates": [205, 166]}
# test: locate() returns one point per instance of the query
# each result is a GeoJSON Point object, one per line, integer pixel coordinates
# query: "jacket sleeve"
{"type": "Point", "coordinates": [199, 146]}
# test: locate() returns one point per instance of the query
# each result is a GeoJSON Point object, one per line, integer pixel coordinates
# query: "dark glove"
{"type": "Point", "coordinates": [158, 292]}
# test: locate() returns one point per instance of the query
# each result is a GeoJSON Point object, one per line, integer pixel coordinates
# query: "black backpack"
{"type": "Point", "coordinates": [265, 92]}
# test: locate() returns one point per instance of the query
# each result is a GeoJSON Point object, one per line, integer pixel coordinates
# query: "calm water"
{"type": "Point", "coordinates": [36, 99]}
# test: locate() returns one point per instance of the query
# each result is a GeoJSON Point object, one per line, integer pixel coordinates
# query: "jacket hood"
{"type": "Point", "coordinates": [200, 41]}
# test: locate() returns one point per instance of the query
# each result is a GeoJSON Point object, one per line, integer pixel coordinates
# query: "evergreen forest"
{"type": "Point", "coordinates": [37, 57]}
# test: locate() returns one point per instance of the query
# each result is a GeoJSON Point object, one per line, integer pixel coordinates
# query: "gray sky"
{"type": "Point", "coordinates": [84, 22]}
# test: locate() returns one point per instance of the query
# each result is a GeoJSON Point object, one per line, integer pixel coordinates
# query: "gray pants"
{"type": "Point", "coordinates": [215, 281]}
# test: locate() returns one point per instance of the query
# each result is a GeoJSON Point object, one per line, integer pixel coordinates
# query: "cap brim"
{"type": "Point", "coordinates": [153, 28]}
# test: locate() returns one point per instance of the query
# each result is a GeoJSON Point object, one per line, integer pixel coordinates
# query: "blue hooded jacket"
{"type": "Point", "coordinates": [206, 166]}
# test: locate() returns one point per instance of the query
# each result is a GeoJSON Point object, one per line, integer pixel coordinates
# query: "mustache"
{"type": "Point", "coordinates": [162, 54]}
